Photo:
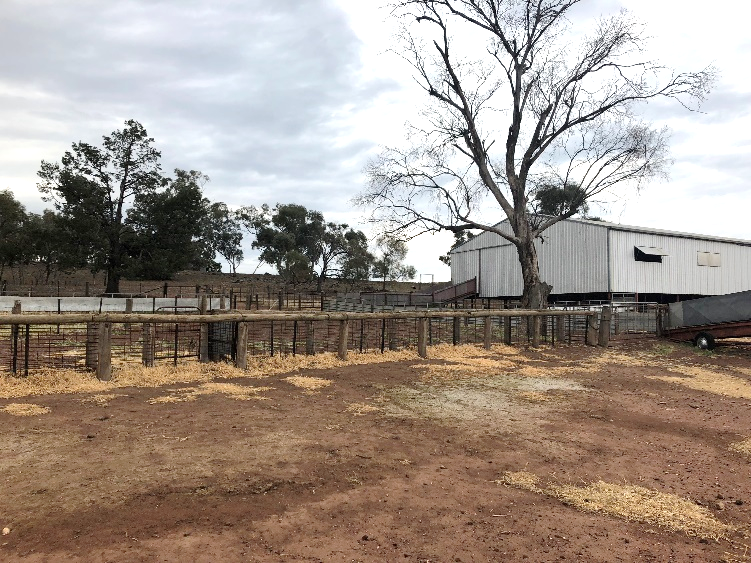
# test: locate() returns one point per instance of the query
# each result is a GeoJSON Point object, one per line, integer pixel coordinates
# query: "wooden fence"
{"type": "Point", "coordinates": [94, 341]}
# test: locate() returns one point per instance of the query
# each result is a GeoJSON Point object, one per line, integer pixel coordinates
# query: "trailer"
{"type": "Point", "coordinates": [703, 321]}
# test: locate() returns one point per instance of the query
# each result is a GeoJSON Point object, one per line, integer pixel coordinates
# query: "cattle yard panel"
{"type": "Point", "coordinates": [37, 344]}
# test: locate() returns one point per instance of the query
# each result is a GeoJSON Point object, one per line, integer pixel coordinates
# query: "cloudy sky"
{"type": "Point", "coordinates": [286, 100]}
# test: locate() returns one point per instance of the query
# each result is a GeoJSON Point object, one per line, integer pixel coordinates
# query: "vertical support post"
{"type": "Point", "coordinates": [222, 302]}
{"type": "Point", "coordinates": [128, 309]}
{"type": "Point", "coordinates": [91, 339]}
{"type": "Point", "coordinates": [383, 335]}
{"type": "Point", "coordinates": [422, 338]}
{"type": "Point", "coordinates": [241, 351]}
{"type": "Point", "coordinates": [104, 352]}
{"type": "Point", "coordinates": [26, 352]}
{"type": "Point", "coordinates": [536, 325]}
{"type": "Point", "coordinates": [457, 331]}
{"type": "Point", "coordinates": [604, 336]}
{"type": "Point", "coordinates": [280, 298]}
{"type": "Point", "coordinates": [294, 338]}
{"type": "Point", "coordinates": [147, 353]}
{"type": "Point", "coordinates": [203, 339]}
{"type": "Point", "coordinates": [86, 290]}
{"type": "Point", "coordinates": [659, 321]}
{"type": "Point", "coordinates": [507, 331]}
{"type": "Point", "coordinates": [560, 328]}
{"type": "Point", "coordinates": [591, 337]}
{"type": "Point", "coordinates": [343, 335]}
{"type": "Point", "coordinates": [249, 299]}
{"type": "Point", "coordinates": [165, 289]}
{"type": "Point", "coordinates": [487, 333]}
{"type": "Point", "coordinates": [310, 348]}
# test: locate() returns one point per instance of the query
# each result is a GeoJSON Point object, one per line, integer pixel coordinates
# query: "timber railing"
{"type": "Point", "coordinates": [33, 342]}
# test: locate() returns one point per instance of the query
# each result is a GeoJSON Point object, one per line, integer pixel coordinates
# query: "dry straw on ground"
{"type": "Point", "coordinates": [712, 381]}
{"type": "Point", "coordinates": [743, 448]}
{"type": "Point", "coordinates": [102, 399]}
{"type": "Point", "coordinates": [360, 409]}
{"type": "Point", "coordinates": [25, 409]}
{"type": "Point", "coordinates": [308, 383]}
{"type": "Point", "coordinates": [238, 392]}
{"type": "Point", "coordinates": [630, 502]}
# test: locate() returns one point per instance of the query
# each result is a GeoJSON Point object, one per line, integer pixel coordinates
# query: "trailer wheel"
{"type": "Point", "coordinates": [704, 341]}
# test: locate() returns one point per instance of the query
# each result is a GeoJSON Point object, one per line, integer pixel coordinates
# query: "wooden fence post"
{"type": "Point", "coordinates": [147, 354]}
{"type": "Point", "coordinates": [203, 347]}
{"type": "Point", "coordinates": [487, 330]}
{"type": "Point", "coordinates": [605, 317]}
{"type": "Point", "coordinates": [507, 331]}
{"type": "Point", "coordinates": [104, 352]}
{"type": "Point", "coordinates": [310, 343]}
{"type": "Point", "coordinates": [422, 338]}
{"type": "Point", "coordinates": [91, 338]}
{"type": "Point", "coordinates": [591, 336]}
{"type": "Point", "coordinates": [457, 331]}
{"type": "Point", "coordinates": [343, 334]}
{"type": "Point", "coordinates": [560, 329]}
{"type": "Point", "coordinates": [241, 352]}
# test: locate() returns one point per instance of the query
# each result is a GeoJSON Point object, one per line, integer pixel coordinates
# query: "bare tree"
{"type": "Point", "coordinates": [515, 106]}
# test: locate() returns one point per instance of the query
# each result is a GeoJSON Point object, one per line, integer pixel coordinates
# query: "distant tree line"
{"type": "Point", "coordinates": [115, 211]}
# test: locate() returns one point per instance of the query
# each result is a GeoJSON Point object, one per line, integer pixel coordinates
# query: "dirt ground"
{"type": "Point", "coordinates": [397, 460]}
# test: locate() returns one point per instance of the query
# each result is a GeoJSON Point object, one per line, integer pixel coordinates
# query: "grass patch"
{"type": "Point", "coordinates": [743, 448]}
{"type": "Point", "coordinates": [308, 383]}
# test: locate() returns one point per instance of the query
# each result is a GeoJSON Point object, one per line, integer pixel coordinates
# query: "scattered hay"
{"type": "Point", "coordinates": [360, 409]}
{"type": "Point", "coordinates": [187, 394]}
{"type": "Point", "coordinates": [629, 502]}
{"type": "Point", "coordinates": [712, 381]}
{"type": "Point", "coordinates": [308, 383]}
{"type": "Point", "coordinates": [638, 504]}
{"type": "Point", "coordinates": [521, 480]}
{"type": "Point", "coordinates": [25, 409]}
{"type": "Point", "coordinates": [102, 399]}
{"type": "Point", "coordinates": [743, 448]}
{"type": "Point", "coordinates": [535, 397]}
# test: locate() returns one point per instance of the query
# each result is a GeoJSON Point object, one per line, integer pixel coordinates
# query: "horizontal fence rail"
{"type": "Point", "coordinates": [97, 341]}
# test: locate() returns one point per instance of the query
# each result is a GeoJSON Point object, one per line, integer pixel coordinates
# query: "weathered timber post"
{"type": "Point", "coordinates": [560, 329]}
{"type": "Point", "coordinates": [128, 309]}
{"type": "Point", "coordinates": [14, 335]}
{"type": "Point", "coordinates": [86, 290]}
{"type": "Point", "coordinates": [280, 298]}
{"type": "Point", "coordinates": [203, 346]}
{"type": "Point", "coordinates": [222, 301]}
{"type": "Point", "coordinates": [310, 344]}
{"type": "Point", "coordinates": [487, 332]}
{"type": "Point", "coordinates": [605, 317]}
{"type": "Point", "coordinates": [104, 352]}
{"type": "Point", "coordinates": [536, 330]}
{"type": "Point", "coordinates": [591, 336]}
{"type": "Point", "coordinates": [165, 289]}
{"type": "Point", "coordinates": [659, 321]}
{"type": "Point", "coordinates": [457, 331]}
{"type": "Point", "coordinates": [241, 352]}
{"type": "Point", "coordinates": [91, 338]}
{"type": "Point", "coordinates": [343, 335]}
{"type": "Point", "coordinates": [507, 331]}
{"type": "Point", "coordinates": [147, 353]}
{"type": "Point", "coordinates": [249, 298]}
{"type": "Point", "coordinates": [422, 338]}
{"type": "Point", "coordinates": [393, 342]}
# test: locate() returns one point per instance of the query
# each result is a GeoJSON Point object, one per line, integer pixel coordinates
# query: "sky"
{"type": "Point", "coordinates": [286, 101]}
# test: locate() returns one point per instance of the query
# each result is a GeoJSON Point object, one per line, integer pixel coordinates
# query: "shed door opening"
{"type": "Point", "coordinates": [648, 254]}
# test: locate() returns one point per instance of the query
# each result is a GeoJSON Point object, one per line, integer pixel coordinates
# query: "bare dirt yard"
{"type": "Point", "coordinates": [638, 452]}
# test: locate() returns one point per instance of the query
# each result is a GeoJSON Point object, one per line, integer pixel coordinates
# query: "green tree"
{"type": "Point", "coordinates": [357, 262]}
{"type": "Point", "coordinates": [302, 245]}
{"type": "Point", "coordinates": [390, 266]}
{"type": "Point", "coordinates": [91, 188]}
{"type": "Point", "coordinates": [12, 219]}
{"type": "Point", "coordinates": [166, 229]}
{"type": "Point", "coordinates": [555, 201]}
{"type": "Point", "coordinates": [222, 233]}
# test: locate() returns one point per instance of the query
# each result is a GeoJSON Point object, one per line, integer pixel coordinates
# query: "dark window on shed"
{"type": "Point", "coordinates": [648, 254]}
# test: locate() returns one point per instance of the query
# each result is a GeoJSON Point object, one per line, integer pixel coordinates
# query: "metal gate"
{"type": "Point", "coordinates": [222, 341]}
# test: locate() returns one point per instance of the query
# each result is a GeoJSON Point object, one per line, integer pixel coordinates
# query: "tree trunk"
{"type": "Point", "coordinates": [536, 292]}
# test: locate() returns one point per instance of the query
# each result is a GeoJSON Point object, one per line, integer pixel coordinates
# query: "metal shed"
{"type": "Point", "coordinates": [585, 258]}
